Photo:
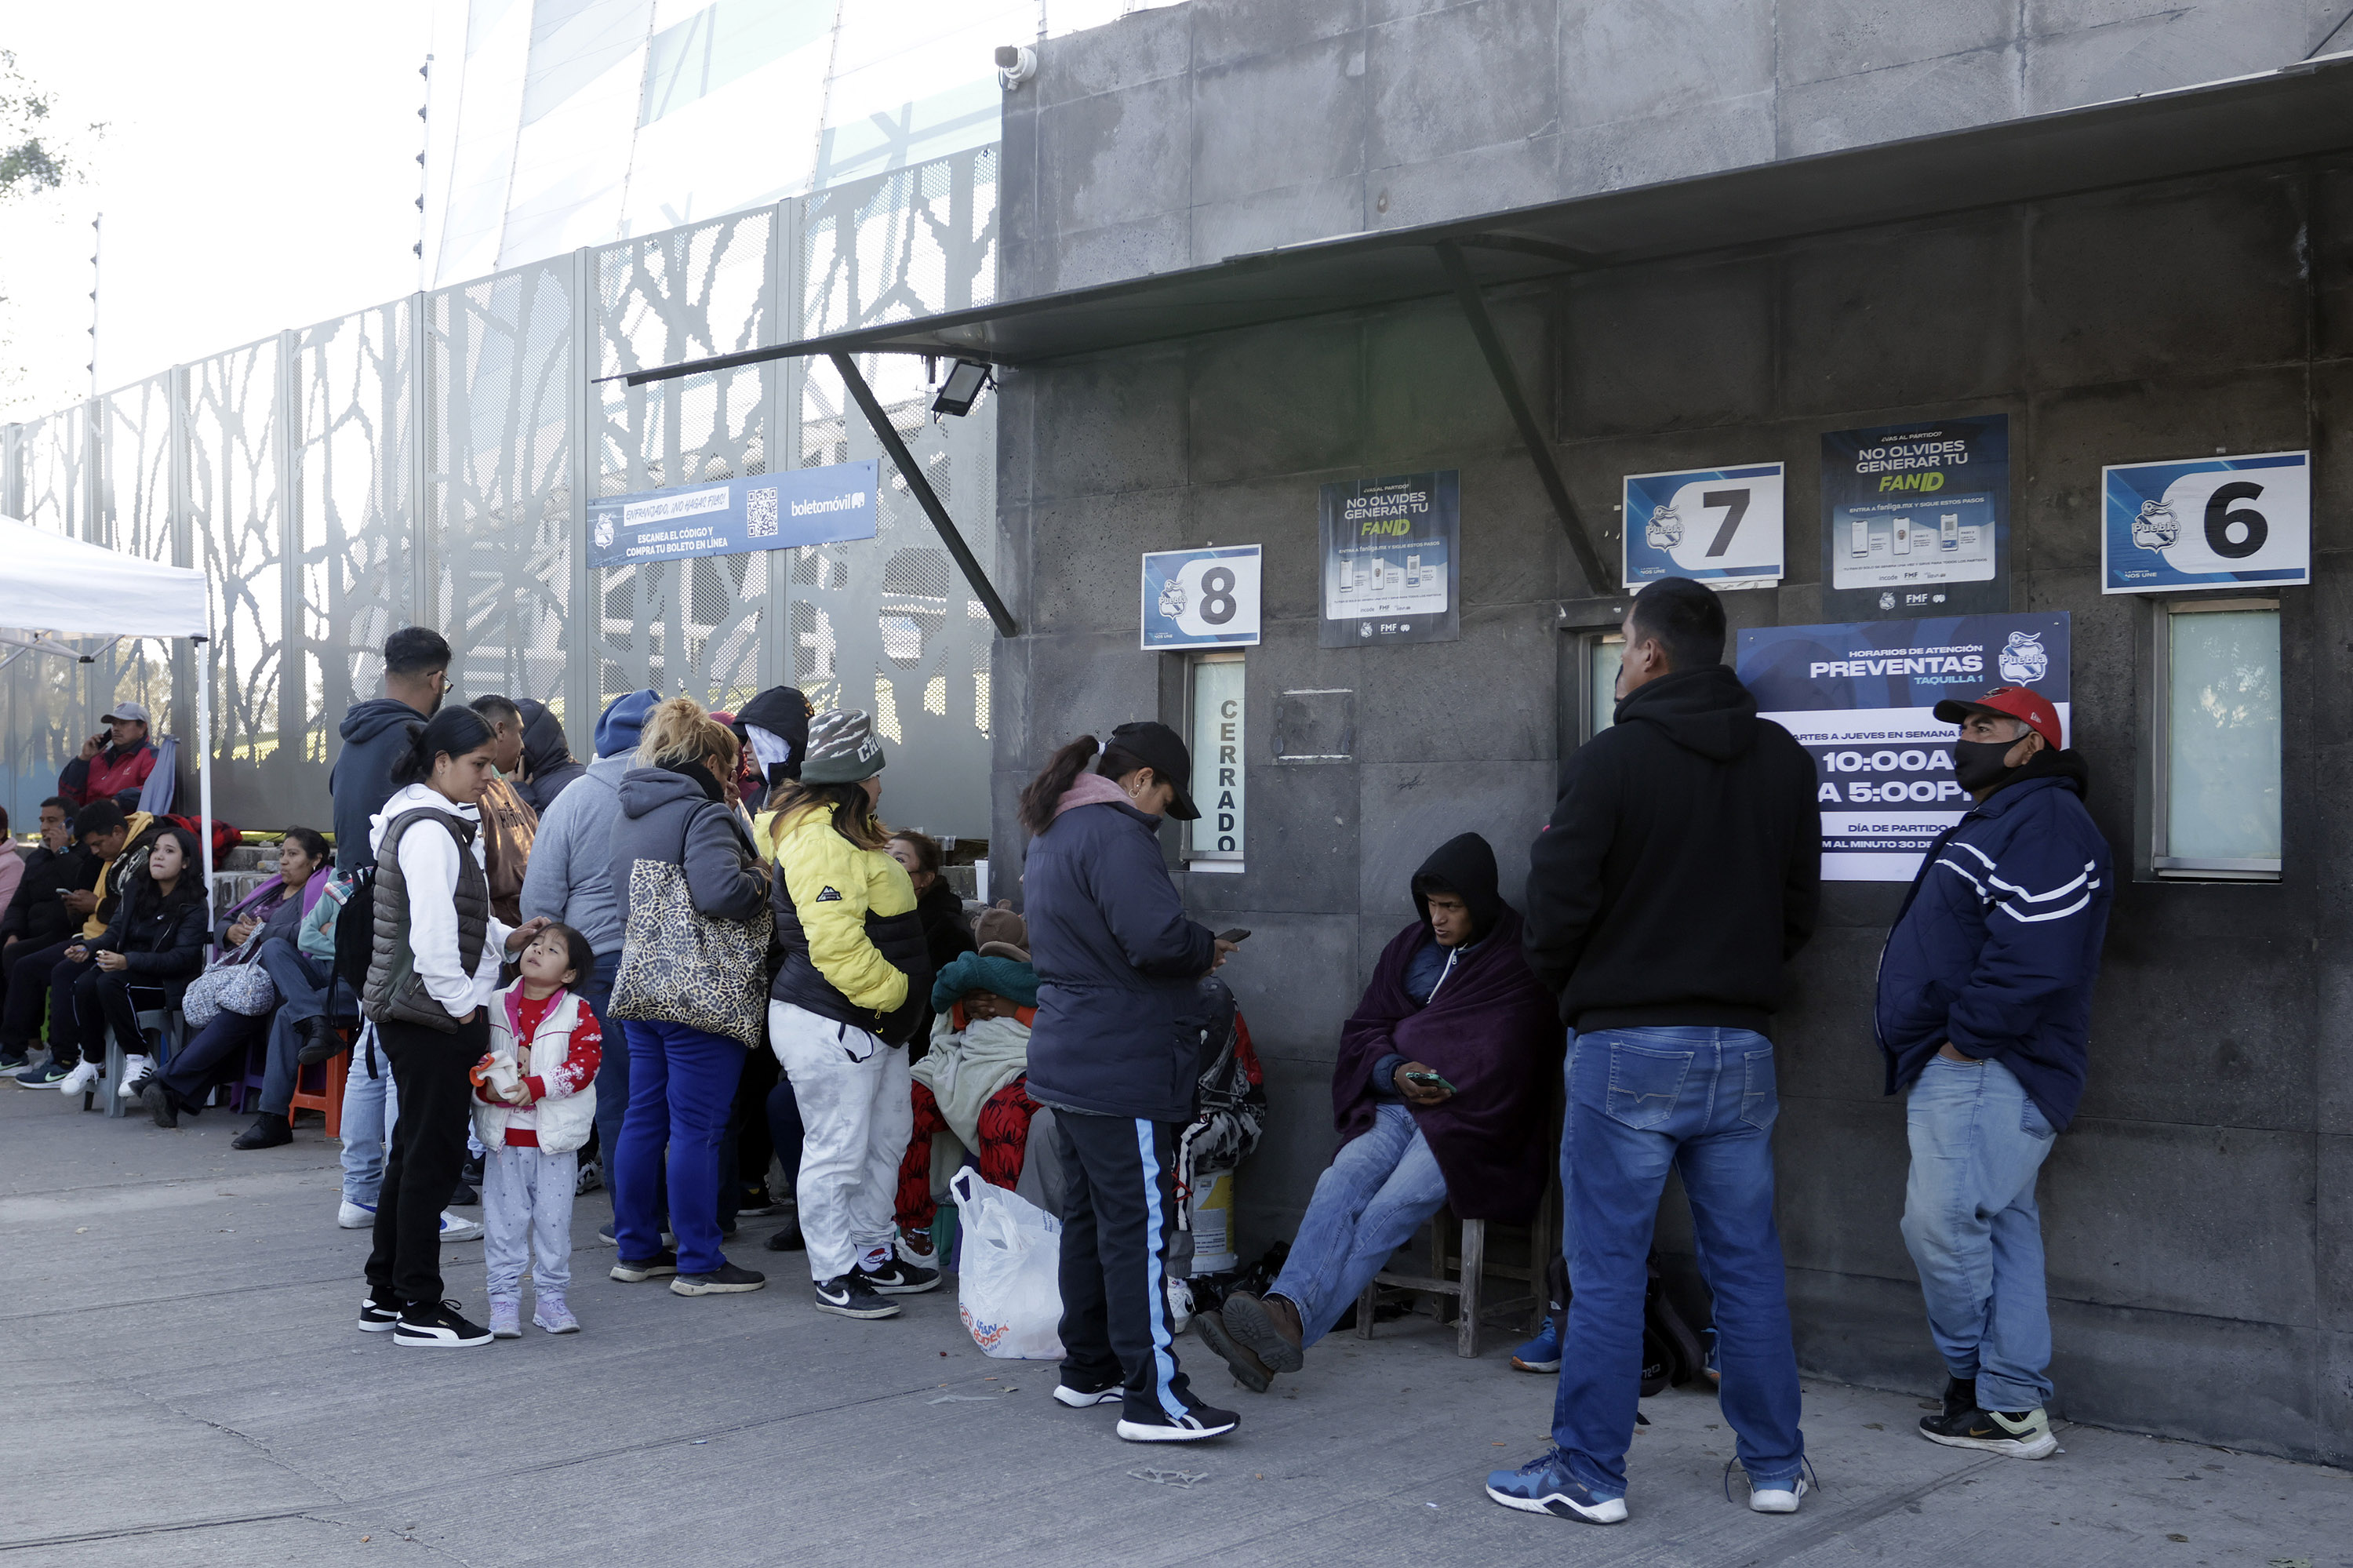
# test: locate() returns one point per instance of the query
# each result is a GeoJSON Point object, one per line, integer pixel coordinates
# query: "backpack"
{"type": "Point", "coordinates": [1671, 1354]}
{"type": "Point", "coordinates": [355, 932]}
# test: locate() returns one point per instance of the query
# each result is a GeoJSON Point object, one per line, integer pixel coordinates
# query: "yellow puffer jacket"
{"type": "Point", "coordinates": [853, 944]}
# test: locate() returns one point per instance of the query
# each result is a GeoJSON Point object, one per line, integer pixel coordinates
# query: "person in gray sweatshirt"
{"type": "Point", "coordinates": [375, 733]}
{"type": "Point", "coordinates": [570, 880]}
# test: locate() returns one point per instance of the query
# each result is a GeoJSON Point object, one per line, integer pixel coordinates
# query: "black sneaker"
{"type": "Point", "coordinates": [1960, 1395]}
{"type": "Point", "coordinates": [463, 1197]}
{"type": "Point", "coordinates": [438, 1326]}
{"type": "Point", "coordinates": [786, 1239]}
{"type": "Point", "coordinates": [378, 1317]}
{"type": "Point", "coordinates": [1156, 1425]}
{"type": "Point", "coordinates": [847, 1296]}
{"type": "Point", "coordinates": [2020, 1435]}
{"type": "Point", "coordinates": [899, 1278]}
{"type": "Point", "coordinates": [162, 1105]}
{"type": "Point", "coordinates": [267, 1132]}
{"type": "Point", "coordinates": [1086, 1397]}
{"type": "Point", "coordinates": [637, 1271]}
{"type": "Point", "coordinates": [726, 1280]}
{"type": "Point", "coordinates": [14, 1062]}
{"type": "Point", "coordinates": [1249, 1370]}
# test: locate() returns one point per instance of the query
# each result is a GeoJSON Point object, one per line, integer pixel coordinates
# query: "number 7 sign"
{"type": "Point", "coordinates": [1720, 525]}
{"type": "Point", "coordinates": [1201, 598]}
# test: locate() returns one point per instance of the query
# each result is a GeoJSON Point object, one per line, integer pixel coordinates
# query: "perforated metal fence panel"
{"type": "Point", "coordinates": [425, 460]}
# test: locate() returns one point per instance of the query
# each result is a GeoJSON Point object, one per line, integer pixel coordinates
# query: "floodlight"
{"type": "Point", "coordinates": [967, 381]}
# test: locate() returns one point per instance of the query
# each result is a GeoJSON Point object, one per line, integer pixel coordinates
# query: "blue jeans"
{"type": "Point", "coordinates": [301, 983]}
{"type": "Point", "coordinates": [1703, 1101]}
{"type": "Point", "coordinates": [682, 1085]}
{"type": "Point", "coordinates": [1970, 1224]}
{"type": "Point", "coordinates": [371, 1108]}
{"type": "Point", "coordinates": [1380, 1187]}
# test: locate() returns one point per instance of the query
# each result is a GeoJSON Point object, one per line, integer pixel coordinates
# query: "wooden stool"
{"type": "Point", "coordinates": [328, 1097]}
{"type": "Point", "coordinates": [1458, 1273]}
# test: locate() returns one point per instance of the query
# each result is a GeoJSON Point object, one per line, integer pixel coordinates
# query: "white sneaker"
{"type": "Point", "coordinates": [136, 1070]}
{"type": "Point", "coordinates": [1180, 1305]}
{"type": "Point", "coordinates": [456, 1227]}
{"type": "Point", "coordinates": [355, 1217]}
{"type": "Point", "coordinates": [1777, 1499]}
{"type": "Point", "coordinates": [84, 1074]}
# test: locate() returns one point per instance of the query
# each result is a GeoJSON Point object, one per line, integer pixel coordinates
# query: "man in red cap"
{"type": "Point", "coordinates": [1984, 1008]}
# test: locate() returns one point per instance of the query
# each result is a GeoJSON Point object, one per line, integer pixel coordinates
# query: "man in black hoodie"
{"type": "Point", "coordinates": [1680, 869]}
{"type": "Point", "coordinates": [375, 736]}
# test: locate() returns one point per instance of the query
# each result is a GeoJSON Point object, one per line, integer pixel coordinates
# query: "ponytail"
{"type": "Point", "coordinates": [453, 732]}
{"type": "Point", "coordinates": [1046, 792]}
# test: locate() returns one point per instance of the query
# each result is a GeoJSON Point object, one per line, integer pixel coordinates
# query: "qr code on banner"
{"type": "Point", "coordinates": [760, 514]}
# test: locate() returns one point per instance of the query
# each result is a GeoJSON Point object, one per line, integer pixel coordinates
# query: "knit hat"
{"type": "Point", "coordinates": [618, 726]}
{"type": "Point", "coordinates": [842, 749]}
{"type": "Point", "coordinates": [999, 933]}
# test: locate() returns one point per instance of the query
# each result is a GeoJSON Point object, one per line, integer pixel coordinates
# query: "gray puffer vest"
{"type": "Point", "coordinates": [394, 994]}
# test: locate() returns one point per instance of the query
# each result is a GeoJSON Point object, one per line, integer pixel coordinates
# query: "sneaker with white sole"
{"type": "Point", "coordinates": [725, 1280]}
{"type": "Point", "coordinates": [438, 1326]}
{"type": "Point", "coordinates": [355, 1216]}
{"type": "Point", "coordinates": [1544, 1485]}
{"type": "Point", "coordinates": [136, 1070]}
{"type": "Point", "coordinates": [457, 1227]}
{"type": "Point", "coordinates": [47, 1075]}
{"type": "Point", "coordinates": [506, 1319]}
{"type": "Point", "coordinates": [1112, 1393]}
{"type": "Point", "coordinates": [551, 1314]}
{"type": "Point", "coordinates": [847, 1296]}
{"type": "Point", "coordinates": [1541, 1354]}
{"type": "Point", "coordinates": [2019, 1435]}
{"type": "Point", "coordinates": [900, 1278]}
{"type": "Point", "coordinates": [1777, 1499]}
{"type": "Point", "coordinates": [377, 1317]}
{"type": "Point", "coordinates": [81, 1077]}
{"type": "Point", "coordinates": [637, 1271]}
{"type": "Point", "coordinates": [1153, 1425]}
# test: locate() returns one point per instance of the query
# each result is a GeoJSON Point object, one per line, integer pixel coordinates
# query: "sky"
{"type": "Point", "coordinates": [258, 171]}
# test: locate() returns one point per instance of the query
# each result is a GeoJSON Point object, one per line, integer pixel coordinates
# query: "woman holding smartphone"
{"type": "Point", "coordinates": [1116, 1052]}
{"type": "Point", "coordinates": [431, 979]}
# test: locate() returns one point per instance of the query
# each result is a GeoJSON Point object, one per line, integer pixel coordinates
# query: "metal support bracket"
{"type": "Point", "coordinates": [1507, 382]}
{"type": "Point", "coordinates": [888, 434]}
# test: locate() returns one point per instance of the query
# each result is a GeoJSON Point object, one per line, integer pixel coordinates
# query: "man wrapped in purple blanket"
{"type": "Point", "coordinates": [1442, 1095]}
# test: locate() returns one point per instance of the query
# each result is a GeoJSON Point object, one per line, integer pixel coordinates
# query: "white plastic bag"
{"type": "Point", "coordinates": [1008, 1286]}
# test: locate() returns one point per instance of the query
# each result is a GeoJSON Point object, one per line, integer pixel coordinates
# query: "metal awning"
{"type": "Point", "coordinates": [2296, 111]}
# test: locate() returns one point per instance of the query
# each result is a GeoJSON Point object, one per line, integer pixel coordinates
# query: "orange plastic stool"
{"type": "Point", "coordinates": [328, 1097]}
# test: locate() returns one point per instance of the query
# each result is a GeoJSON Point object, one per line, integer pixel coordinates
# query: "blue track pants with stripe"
{"type": "Point", "coordinates": [1119, 1213]}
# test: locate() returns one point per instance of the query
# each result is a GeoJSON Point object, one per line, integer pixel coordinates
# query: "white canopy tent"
{"type": "Point", "coordinates": [53, 587]}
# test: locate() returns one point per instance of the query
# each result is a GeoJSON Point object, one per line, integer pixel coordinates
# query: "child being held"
{"type": "Point", "coordinates": [535, 1100]}
{"type": "Point", "coordinates": [973, 1083]}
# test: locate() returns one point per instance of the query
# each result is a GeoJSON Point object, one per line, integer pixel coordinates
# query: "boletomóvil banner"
{"type": "Point", "coordinates": [1861, 698]}
{"type": "Point", "coordinates": [733, 516]}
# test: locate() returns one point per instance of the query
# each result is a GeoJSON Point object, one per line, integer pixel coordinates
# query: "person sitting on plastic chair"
{"type": "Point", "coordinates": [1441, 1095]}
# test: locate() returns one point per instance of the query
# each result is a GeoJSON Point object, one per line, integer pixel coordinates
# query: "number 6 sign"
{"type": "Point", "coordinates": [2207, 523]}
{"type": "Point", "coordinates": [1720, 525]}
{"type": "Point", "coordinates": [1201, 598]}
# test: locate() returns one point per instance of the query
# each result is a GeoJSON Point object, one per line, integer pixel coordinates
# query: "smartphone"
{"type": "Point", "coordinates": [1903, 535]}
{"type": "Point", "coordinates": [1236, 935]}
{"type": "Point", "coordinates": [1430, 1080]}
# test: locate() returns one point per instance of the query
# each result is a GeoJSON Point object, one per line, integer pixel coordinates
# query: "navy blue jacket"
{"type": "Point", "coordinates": [1999, 940]}
{"type": "Point", "coordinates": [375, 736]}
{"type": "Point", "coordinates": [1122, 1016]}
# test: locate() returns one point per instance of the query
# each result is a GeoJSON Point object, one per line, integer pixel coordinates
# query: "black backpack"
{"type": "Point", "coordinates": [1671, 1354]}
{"type": "Point", "coordinates": [355, 933]}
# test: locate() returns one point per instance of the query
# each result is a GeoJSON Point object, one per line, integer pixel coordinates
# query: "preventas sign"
{"type": "Point", "coordinates": [1861, 698]}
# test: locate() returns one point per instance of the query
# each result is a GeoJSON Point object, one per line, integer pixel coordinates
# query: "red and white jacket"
{"type": "Point", "coordinates": [555, 1045]}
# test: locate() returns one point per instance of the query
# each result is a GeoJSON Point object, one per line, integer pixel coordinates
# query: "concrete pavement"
{"type": "Point", "coordinates": [185, 1385]}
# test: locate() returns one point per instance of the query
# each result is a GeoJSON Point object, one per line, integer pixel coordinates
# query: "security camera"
{"type": "Point", "coordinates": [1015, 64]}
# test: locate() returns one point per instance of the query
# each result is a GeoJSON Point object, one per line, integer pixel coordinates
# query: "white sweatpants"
{"type": "Point", "coordinates": [858, 1112]}
{"type": "Point", "coordinates": [527, 1218]}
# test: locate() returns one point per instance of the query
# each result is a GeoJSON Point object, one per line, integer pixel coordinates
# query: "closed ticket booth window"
{"type": "Point", "coordinates": [1215, 841]}
{"type": "Point", "coordinates": [2218, 811]}
{"type": "Point", "coordinates": [1603, 654]}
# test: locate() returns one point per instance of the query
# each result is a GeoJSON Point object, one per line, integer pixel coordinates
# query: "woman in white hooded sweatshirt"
{"type": "Point", "coordinates": [434, 970]}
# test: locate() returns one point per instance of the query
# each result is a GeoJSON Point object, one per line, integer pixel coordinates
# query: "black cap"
{"type": "Point", "coordinates": [1157, 746]}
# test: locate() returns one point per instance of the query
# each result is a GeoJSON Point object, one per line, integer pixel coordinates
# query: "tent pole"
{"type": "Point", "coordinates": [205, 769]}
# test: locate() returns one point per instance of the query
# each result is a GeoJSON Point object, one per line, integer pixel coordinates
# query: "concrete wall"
{"type": "Point", "coordinates": [2201, 1247]}
{"type": "Point", "coordinates": [1182, 135]}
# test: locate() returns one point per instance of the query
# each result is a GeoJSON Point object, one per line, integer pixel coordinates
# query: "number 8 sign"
{"type": "Point", "coordinates": [1201, 598]}
{"type": "Point", "coordinates": [1720, 525]}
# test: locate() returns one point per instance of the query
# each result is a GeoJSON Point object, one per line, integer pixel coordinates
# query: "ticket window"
{"type": "Point", "coordinates": [1216, 731]}
{"type": "Point", "coordinates": [1588, 683]}
{"type": "Point", "coordinates": [2213, 810]}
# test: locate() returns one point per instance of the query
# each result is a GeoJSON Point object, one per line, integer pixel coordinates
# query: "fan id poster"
{"type": "Point", "coordinates": [1861, 698]}
{"type": "Point", "coordinates": [1915, 518]}
{"type": "Point", "coordinates": [1391, 571]}
{"type": "Point", "coordinates": [2206, 523]}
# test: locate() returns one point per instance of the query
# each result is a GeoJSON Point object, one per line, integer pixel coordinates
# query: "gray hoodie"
{"type": "Point", "coordinates": [570, 874]}
{"type": "Point", "coordinates": [375, 736]}
{"type": "Point", "coordinates": [666, 817]}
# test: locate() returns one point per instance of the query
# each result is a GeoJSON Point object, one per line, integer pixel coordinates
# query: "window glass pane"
{"type": "Point", "coordinates": [2222, 733]}
{"type": "Point", "coordinates": [1216, 745]}
{"type": "Point", "coordinates": [1602, 657]}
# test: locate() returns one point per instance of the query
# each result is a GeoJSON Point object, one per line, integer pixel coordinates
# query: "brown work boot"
{"type": "Point", "coordinates": [1266, 1326]}
{"type": "Point", "coordinates": [1249, 1370]}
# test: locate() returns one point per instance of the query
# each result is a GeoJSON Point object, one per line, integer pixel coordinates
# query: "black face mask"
{"type": "Point", "coordinates": [1979, 764]}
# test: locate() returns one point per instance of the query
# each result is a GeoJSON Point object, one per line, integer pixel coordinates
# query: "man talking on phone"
{"type": "Point", "coordinates": [1442, 1093]}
